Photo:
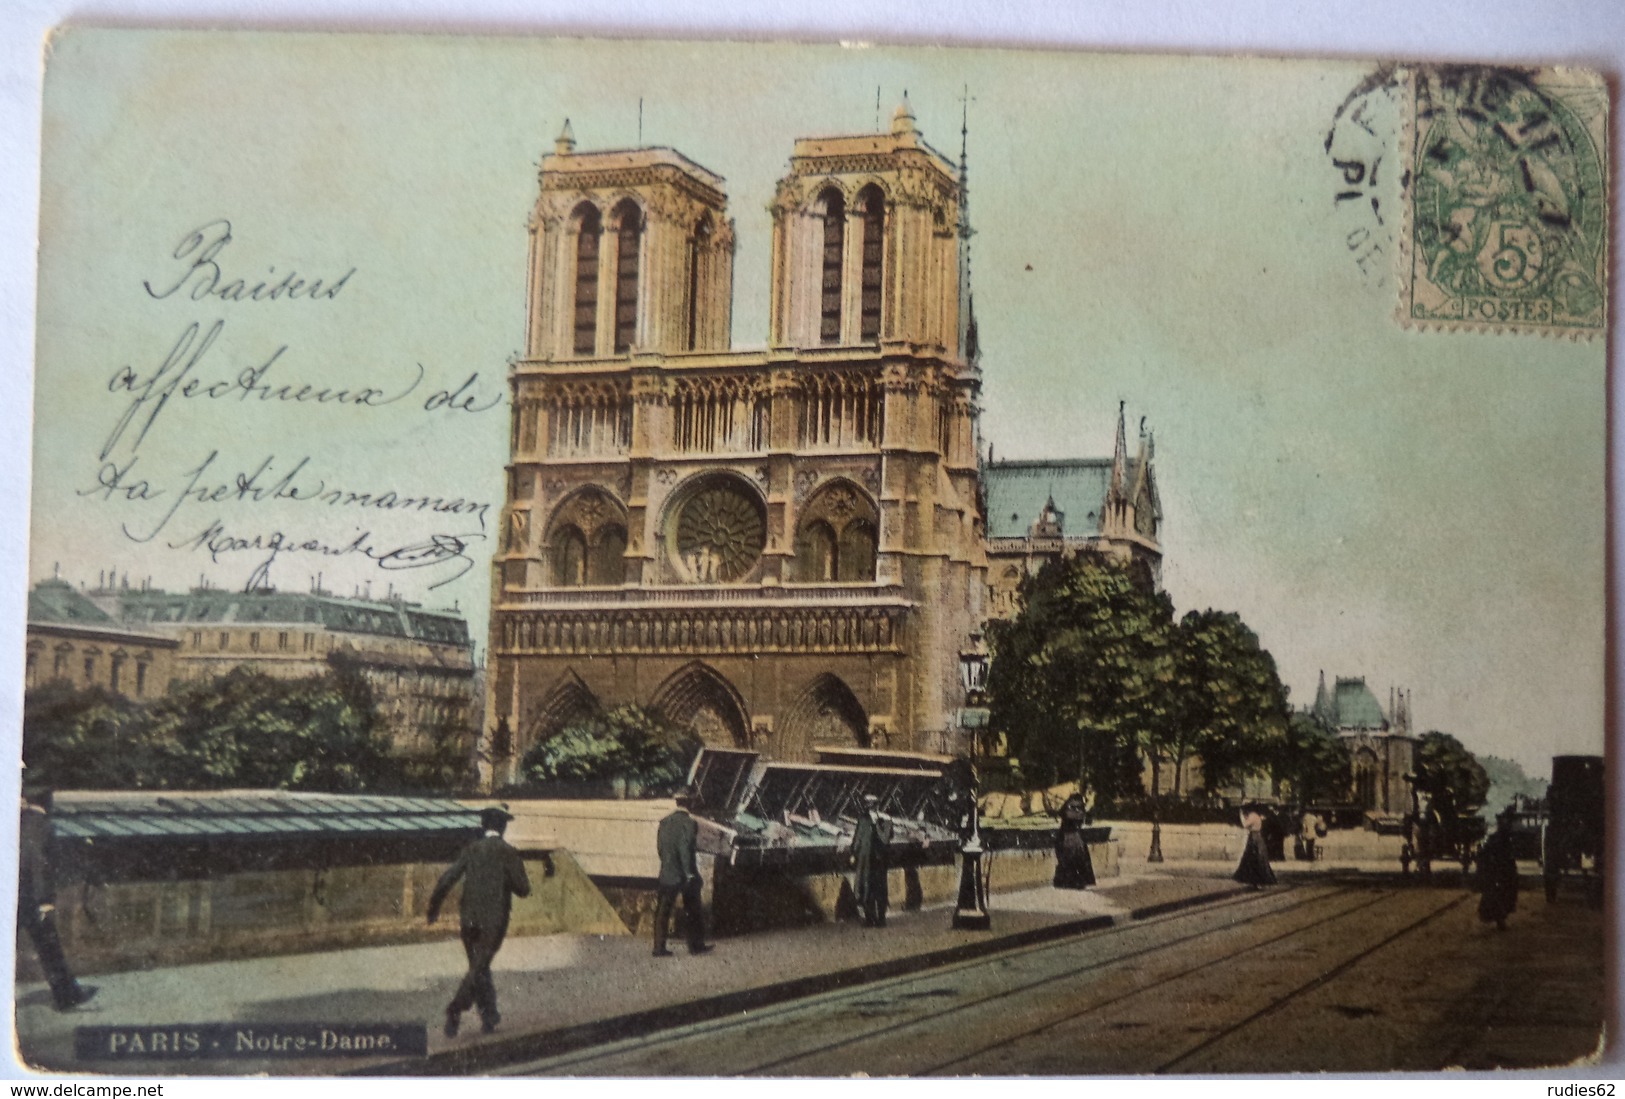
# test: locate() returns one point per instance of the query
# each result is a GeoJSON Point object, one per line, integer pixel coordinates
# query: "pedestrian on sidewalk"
{"type": "Point", "coordinates": [1254, 870]}
{"type": "Point", "coordinates": [1310, 830]}
{"type": "Point", "coordinates": [677, 841]}
{"type": "Point", "coordinates": [1074, 869]}
{"type": "Point", "coordinates": [869, 858]}
{"type": "Point", "coordinates": [1498, 875]}
{"type": "Point", "coordinates": [492, 874]}
{"type": "Point", "coordinates": [36, 898]}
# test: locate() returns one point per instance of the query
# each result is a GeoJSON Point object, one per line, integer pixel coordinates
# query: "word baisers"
{"type": "Point", "coordinates": [211, 1040]}
{"type": "Point", "coordinates": [199, 250]}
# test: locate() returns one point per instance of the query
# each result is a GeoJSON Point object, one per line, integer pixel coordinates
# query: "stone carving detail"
{"type": "Point", "coordinates": [841, 501]}
{"type": "Point", "coordinates": [871, 479]}
{"type": "Point", "coordinates": [518, 530]}
{"type": "Point", "coordinates": [646, 176]}
{"type": "Point", "coordinates": [805, 480]}
{"type": "Point", "coordinates": [587, 511]}
{"type": "Point", "coordinates": [700, 631]}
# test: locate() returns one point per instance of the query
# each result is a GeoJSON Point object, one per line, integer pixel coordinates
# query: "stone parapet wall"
{"type": "Point", "coordinates": [136, 925]}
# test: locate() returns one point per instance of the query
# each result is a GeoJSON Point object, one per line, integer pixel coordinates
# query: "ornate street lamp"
{"type": "Point", "coordinates": [970, 914]}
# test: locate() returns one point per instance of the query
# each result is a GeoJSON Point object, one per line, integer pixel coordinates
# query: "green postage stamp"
{"type": "Point", "coordinates": [1507, 200]}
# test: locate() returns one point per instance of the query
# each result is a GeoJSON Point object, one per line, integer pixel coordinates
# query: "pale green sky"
{"type": "Point", "coordinates": [1425, 509]}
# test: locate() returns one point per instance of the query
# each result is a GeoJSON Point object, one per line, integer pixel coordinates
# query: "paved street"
{"type": "Point", "coordinates": [1173, 971]}
{"type": "Point", "coordinates": [1329, 976]}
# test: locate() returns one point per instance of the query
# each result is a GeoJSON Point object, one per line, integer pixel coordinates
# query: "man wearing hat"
{"type": "Point", "coordinates": [36, 898]}
{"type": "Point", "coordinates": [676, 842]}
{"type": "Point", "coordinates": [492, 874]}
{"type": "Point", "coordinates": [869, 858]}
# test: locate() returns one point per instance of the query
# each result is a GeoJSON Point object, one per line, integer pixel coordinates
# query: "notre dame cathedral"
{"type": "Point", "coordinates": [785, 549]}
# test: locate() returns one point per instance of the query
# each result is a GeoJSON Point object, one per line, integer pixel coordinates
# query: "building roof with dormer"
{"type": "Point", "coordinates": [1017, 492]}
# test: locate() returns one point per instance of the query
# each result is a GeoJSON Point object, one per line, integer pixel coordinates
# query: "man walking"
{"type": "Point", "coordinates": [676, 841]}
{"type": "Point", "coordinates": [36, 899]}
{"type": "Point", "coordinates": [492, 874]}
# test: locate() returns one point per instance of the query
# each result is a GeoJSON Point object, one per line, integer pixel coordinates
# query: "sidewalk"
{"type": "Point", "coordinates": [563, 991]}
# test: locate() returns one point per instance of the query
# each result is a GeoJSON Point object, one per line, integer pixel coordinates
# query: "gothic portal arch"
{"type": "Point", "coordinates": [700, 698]}
{"type": "Point", "coordinates": [566, 703]}
{"type": "Point", "coordinates": [825, 715]}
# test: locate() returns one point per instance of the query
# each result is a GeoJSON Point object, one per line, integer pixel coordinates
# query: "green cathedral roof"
{"type": "Point", "coordinates": [1016, 492]}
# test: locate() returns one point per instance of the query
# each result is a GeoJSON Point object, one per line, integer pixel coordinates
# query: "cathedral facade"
{"type": "Point", "coordinates": [781, 548]}
{"type": "Point", "coordinates": [784, 549]}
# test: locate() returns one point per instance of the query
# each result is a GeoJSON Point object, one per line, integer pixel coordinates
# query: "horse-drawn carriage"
{"type": "Point", "coordinates": [1436, 833]}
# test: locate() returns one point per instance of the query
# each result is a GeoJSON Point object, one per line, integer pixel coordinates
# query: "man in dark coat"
{"type": "Point", "coordinates": [1074, 869]}
{"type": "Point", "coordinates": [36, 899]}
{"type": "Point", "coordinates": [492, 874]}
{"type": "Point", "coordinates": [1498, 875]}
{"type": "Point", "coordinates": [869, 857]}
{"type": "Point", "coordinates": [676, 841]}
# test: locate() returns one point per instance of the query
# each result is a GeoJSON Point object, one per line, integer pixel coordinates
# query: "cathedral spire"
{"type": "Point", "coordinates": [1120, 456]}
{"type": "Point", "coordinates": [565, 143]}
{"type": "Point", "coordinates": [968, 350]}
{"type": "Point", "coordinates": [1323, 702]}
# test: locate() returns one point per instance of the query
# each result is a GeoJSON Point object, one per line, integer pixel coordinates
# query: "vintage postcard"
{"type": "Point", "coordinates": [614, 558]}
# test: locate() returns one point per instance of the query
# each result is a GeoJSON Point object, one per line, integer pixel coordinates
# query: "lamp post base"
{"type": "Point", "coordinates": [970, 914]}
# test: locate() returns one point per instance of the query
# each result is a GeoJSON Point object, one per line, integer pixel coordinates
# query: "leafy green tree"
{"type": "Point", "coordinates": [87, 739]}
{"type": "Point", "coordinates": [628, 743]}
{"type": "Point", "coordinates": [1224, 702]}
{"type": "Point", "coordinates": [1312, 764]}
{"type": "Point", "coordinates": [247, 729]}
{"type": "Point", "coordinates": [441, 759]}
{"type": "Point", "coordinates": [1450, 773]}
{"type": "Point", "coordinates": [243, 729]}
{"type": "Point", "coordinates": [1077, 678]}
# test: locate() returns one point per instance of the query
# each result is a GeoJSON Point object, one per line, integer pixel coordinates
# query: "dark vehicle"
{"type": "Point", "coordinates": [1436, 834]}
{"type": "Point", "coordinates": [1575, 820]}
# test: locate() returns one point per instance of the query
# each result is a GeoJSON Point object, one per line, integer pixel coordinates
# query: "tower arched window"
{"type": "Point", "coordinates": [815, 556]}
{"type": "Point", "coordinates": [837, 539]}
{"type": "Point", "coordinates": [569, 558]}
{"type": "Point", "coordinates": [697, 246]}
{"type": "Point", "coordinates": [628, 236]}
{"type": "Point", "coordinates": [873, 204]}
{"type": "Point", "coordinates": [829, 325]}
{"type": "Point", "coordinates": [607, 563]}
{"type": "Point", "coordinates": [588, 228]}
{"type": "Point", "coordinates": [856, 558]}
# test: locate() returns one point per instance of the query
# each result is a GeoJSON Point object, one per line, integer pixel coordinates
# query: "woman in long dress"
{"type": "Point", "coordinates": [1498, 875]}
{"type": "Point", "coordinates": [1254, 869]}
{"type": "Point", "coordinates": [1073, 867]}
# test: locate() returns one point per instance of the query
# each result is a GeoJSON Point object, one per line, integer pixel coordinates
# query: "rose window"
{"type": "Point", "coordinates": [720, 533]}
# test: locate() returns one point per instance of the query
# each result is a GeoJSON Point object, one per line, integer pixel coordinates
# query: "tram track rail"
{"type": "Point", "coordinates": [580, 1062]}
{"type": "Point", "coordinates": [1318, 981]}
